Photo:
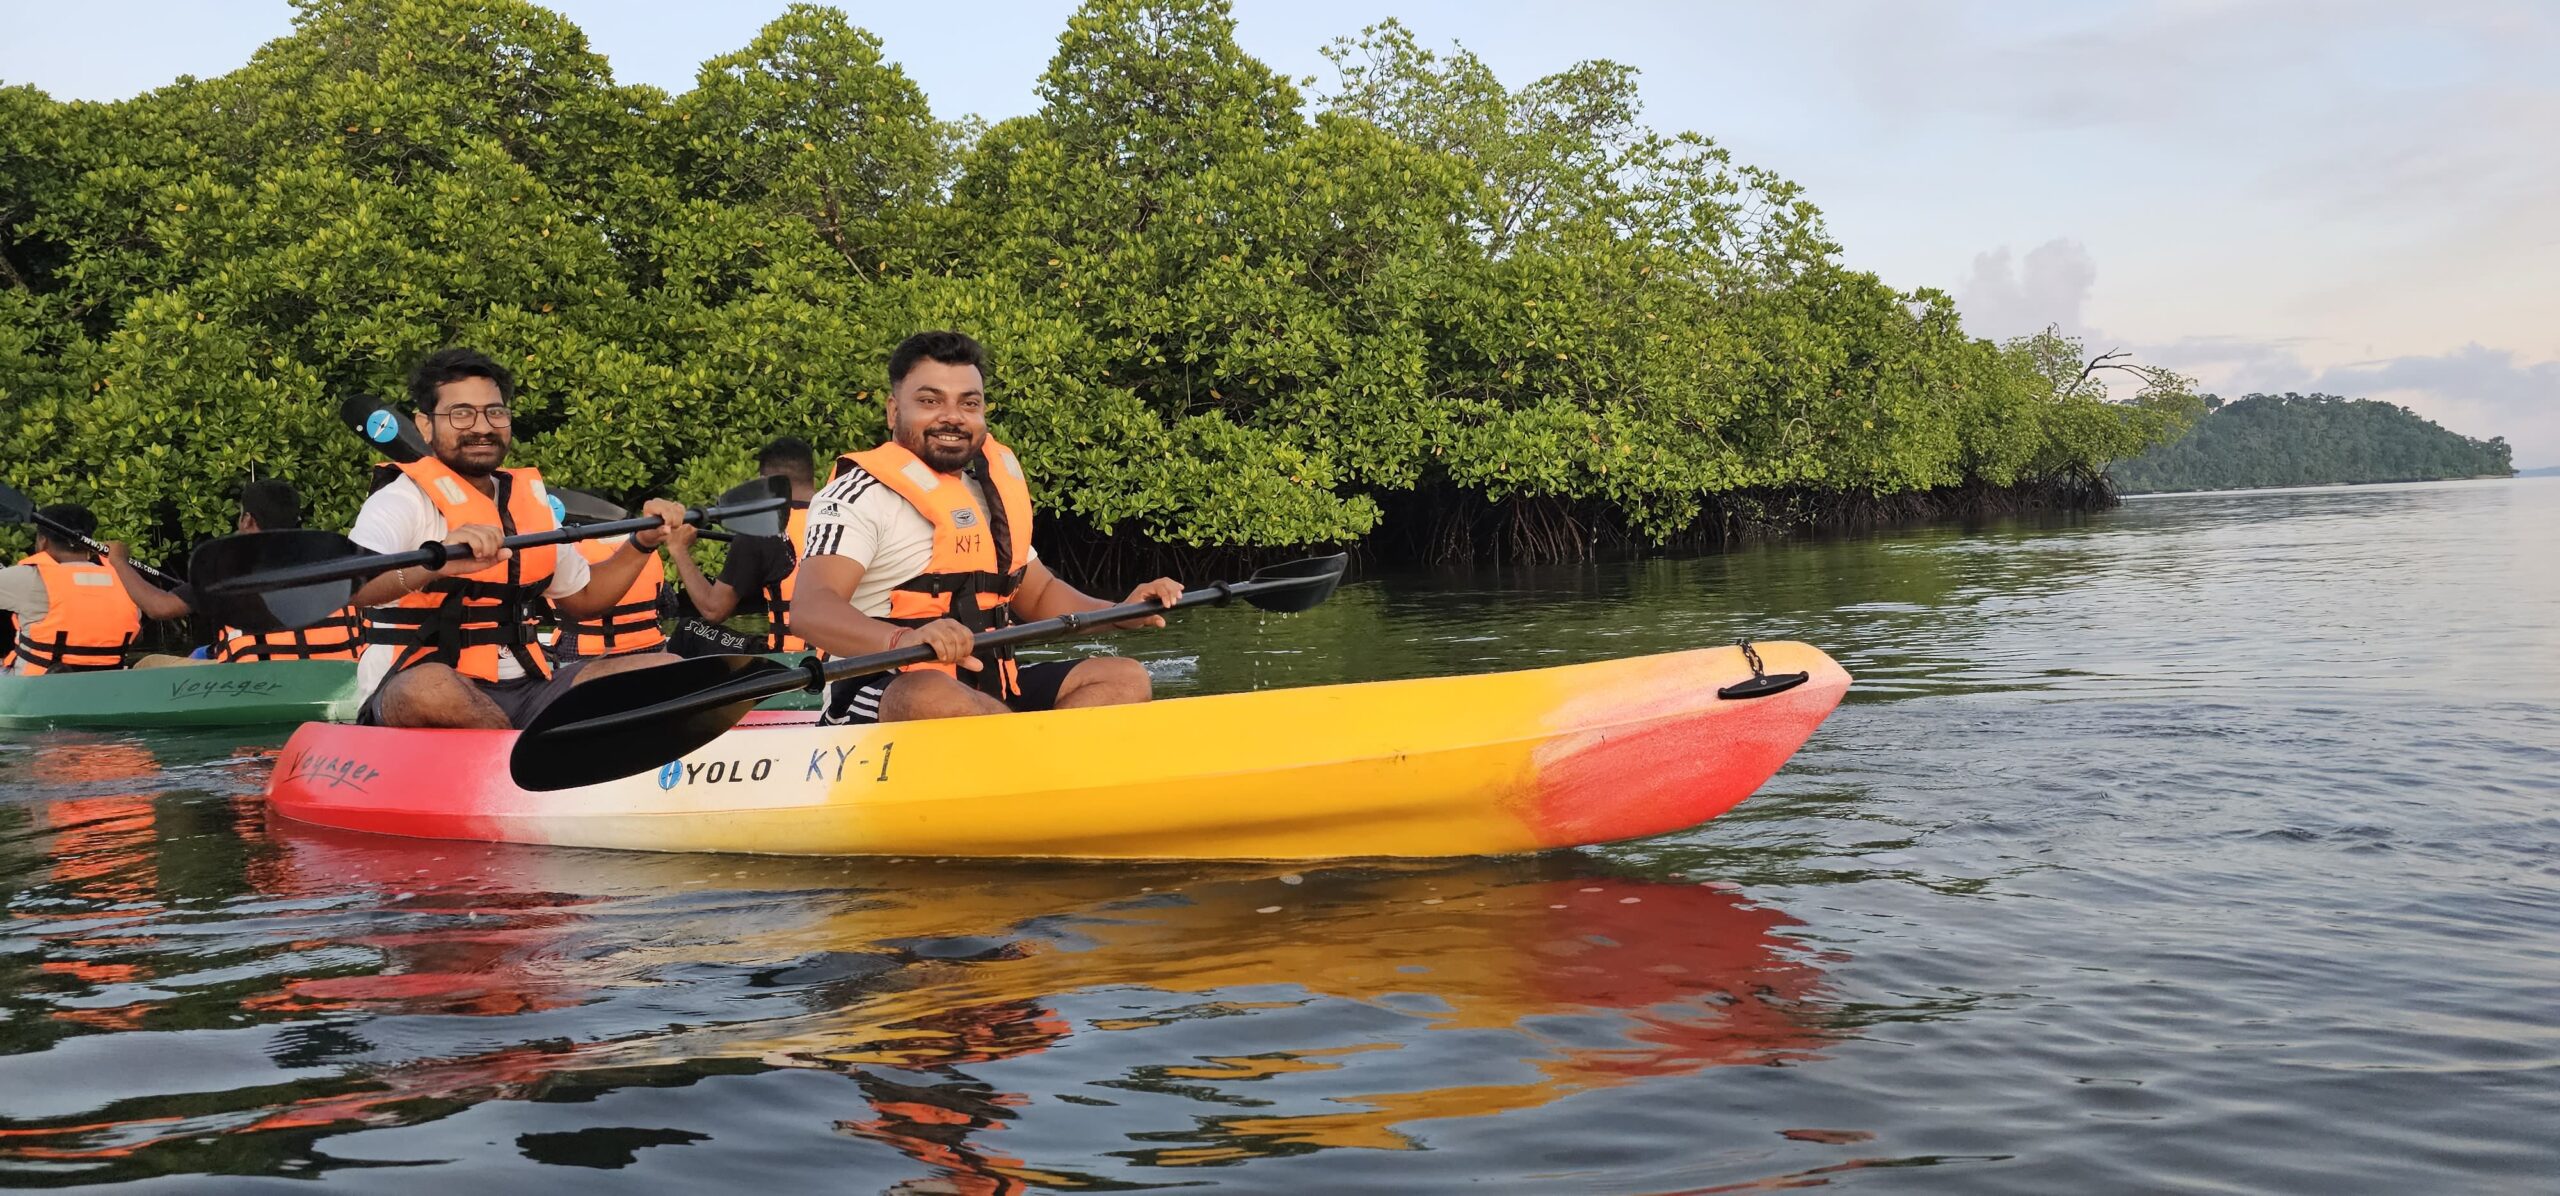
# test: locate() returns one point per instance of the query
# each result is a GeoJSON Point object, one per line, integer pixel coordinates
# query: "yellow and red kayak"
{"type": "Point", "coordinates": [1490, 764]}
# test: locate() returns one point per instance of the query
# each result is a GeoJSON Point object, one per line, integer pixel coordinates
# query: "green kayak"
{"type": "Point", "coordinates": [798, 699]}
{"type": "Point", "coordinates": [209, 695]}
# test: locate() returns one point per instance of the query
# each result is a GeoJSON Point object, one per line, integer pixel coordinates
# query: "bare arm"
{"type": "Point", "coordinates": [713, 600]}
{"type": "Point", "coordinates": [611, 578]}
{"type": "Point", "coordinates": [607, 581]}
{"type": "Point", "coordinates": [822, 609]}
{"type": "Point", "coordinates": [391, 587]}
{"type": "Point", "coordinates": [1044, 596]}
{"type": "Point", "coordinates": [155, 602]}
{"type": "Point", "coordinates": [822, 613]}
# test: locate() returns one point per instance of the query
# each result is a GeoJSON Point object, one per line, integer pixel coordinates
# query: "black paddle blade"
{"type": "Point", "coordinates": [578, 506]}
{"type": "Point", "coordinates": [15, 507]}
{"type": "Point", "coordinates": [553, 752]}
{"type": "Point", "coordinates": [762, 523]}
{"type": "Point", "coordinates": [383, 428]}
{"type": "Point", "coordinates": [288, 609]}
{"type": "Point", "coordinates": [1314, 578]}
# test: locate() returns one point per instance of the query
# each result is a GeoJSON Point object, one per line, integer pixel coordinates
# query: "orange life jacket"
{"type": "Point", "coordinates": [466, 621]}
{"type": "Point", "coordinates": [631, 625]}
{"type": "Point", "coordinates": [88, 620]}
{"type": "Point", "coordinates": [978, 556]}
{"type": "Point", "coordinates": [338, 637]}
{"type": "Point", "coordinates": [777, 596]}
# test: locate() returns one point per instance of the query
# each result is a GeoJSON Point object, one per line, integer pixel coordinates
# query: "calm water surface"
{"type": "Point", "coordinates": [2210, 844]}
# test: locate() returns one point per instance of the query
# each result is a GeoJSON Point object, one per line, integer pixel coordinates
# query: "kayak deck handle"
{"type": "Point", "coordinates": [1762, 683]}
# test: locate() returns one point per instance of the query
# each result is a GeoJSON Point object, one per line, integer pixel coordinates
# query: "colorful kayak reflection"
{"type": "Point", "coordinates": [928, 987]}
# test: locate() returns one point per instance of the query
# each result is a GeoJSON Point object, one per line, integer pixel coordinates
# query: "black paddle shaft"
{"type": "Point", "coordinates": [816, 674]}
{"type": "Point", "coordinates": [55, 529]}
{"type": "Point", "coordinates": [19, 510]}
{"type": "Point", "coordinates": [434, 554]}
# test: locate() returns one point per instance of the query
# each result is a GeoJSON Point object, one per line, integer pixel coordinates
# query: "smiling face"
{"type": "Point", "coordinates": [939, 413]}
{"type": "Point", "coordinates": [474, 451]}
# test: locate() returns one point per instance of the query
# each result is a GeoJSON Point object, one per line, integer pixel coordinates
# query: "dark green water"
{"type": "Point", "coordinates": [2210, 844]}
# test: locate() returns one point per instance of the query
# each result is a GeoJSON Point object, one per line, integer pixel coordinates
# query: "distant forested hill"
{"type": "Point", "coordinates": [2309, 440]}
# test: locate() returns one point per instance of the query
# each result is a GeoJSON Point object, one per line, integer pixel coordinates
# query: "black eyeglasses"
{"type": "Point", "coordinates": [459, 418]}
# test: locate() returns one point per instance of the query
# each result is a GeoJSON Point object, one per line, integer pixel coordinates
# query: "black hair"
{"type": "Point", "coordinates": [790, 454]}
{"type": "Point", "coordinates": [949, 348]}
{"type": "Point", "coordinates": [69, 516]}
{"type": "Point", "coordinates": [454, 365]}
{"type": "Point", "coordinates": [272, 503]}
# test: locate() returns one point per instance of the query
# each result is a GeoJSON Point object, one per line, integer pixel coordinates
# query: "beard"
{"type": "Point", "coordinates": [940, 456]}
{"type": "Point", "coordinates": [471, 457]}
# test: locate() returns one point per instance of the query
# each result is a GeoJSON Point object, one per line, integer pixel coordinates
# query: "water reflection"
{"type": "Point", "coordinates": [391, 983]}
{"type": "Point", "coordinates": [2204, 845]}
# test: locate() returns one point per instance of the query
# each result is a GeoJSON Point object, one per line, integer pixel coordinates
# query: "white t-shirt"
{"type": "Point", "coordinates": [857, 518]}
{"type": "Point", "coordinates": [400, 517]}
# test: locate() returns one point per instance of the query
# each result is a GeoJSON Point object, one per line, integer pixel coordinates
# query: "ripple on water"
{"type": "Point", "coordinates": [2210, 844]}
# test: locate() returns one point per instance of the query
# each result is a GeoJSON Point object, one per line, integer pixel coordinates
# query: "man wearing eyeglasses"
{"type": "Point", "coordinates": [455, 646]}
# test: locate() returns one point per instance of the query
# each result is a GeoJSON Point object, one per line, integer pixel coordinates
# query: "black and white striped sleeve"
{"type": "Point", "coordinates": [837, 524]}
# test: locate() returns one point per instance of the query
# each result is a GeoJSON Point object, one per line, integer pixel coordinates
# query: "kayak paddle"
{"type": "Point", "coordinates": [398, 440]}
{"type": "Point", "coordinates": [632, 722]}
{"type": "Point", "coordinates": [279, 581]}
{"type": "Point", "coordinates": [579, 508]}
{"type": "Point", "coordinates": [18, 508]}
{"type": "Point", "coordinates": [392, 436]}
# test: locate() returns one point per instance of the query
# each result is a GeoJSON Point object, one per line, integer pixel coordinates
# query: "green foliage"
{"type": "Point", "coordinates": [1222, 313]}
{"type": "Point", "coordinates": [2309, 440]}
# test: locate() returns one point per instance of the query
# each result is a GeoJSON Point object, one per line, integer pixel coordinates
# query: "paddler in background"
{"type": "Point", "coordinates": [72, 615]}
{"type": "Point", "coordinates": [457, 646]}
{"type": "Point", "coordinates": [761, 571]}
{"type": "Point", "coordinates": [927, 539]}
{"type": "Point", "coordinates": [266, 505]}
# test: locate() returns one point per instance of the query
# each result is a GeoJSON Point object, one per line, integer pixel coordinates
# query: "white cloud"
{"type": "Point", "coordinates": [2002, 297]}
{"type": "Point", "coordinates": [2233, 366]}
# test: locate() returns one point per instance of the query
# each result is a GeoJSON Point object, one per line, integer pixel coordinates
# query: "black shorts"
{"type": "Point", "coordinates": [856, 700]}
{"type": "Point", "coordinates": [520, 699]}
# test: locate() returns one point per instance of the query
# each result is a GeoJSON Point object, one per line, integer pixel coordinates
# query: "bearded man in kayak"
{"type": "Point", "coordinates": [927, 539]}
{"type": "Point", "coordinates": [761, 571]}
{"type": "Point", "coordinates": [73, 615]}
{"type": "Point", "coordinates": [456, 646]}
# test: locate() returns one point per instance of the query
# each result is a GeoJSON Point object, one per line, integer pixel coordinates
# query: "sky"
{"type": "Point", "coordinates": [2353, 196]}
